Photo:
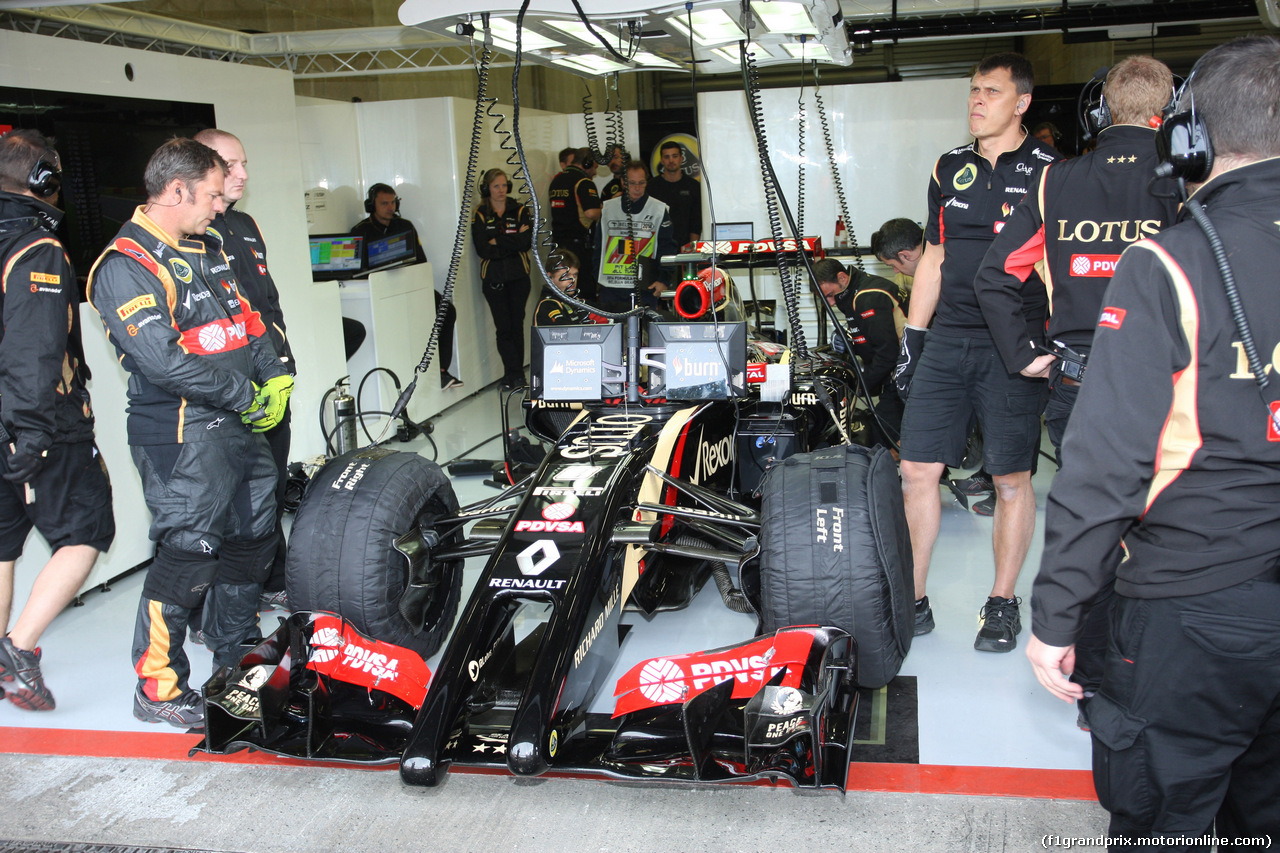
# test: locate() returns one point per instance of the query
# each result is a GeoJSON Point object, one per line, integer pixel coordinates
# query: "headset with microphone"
{"type": "Point", "coordinates": [1182, 140]}
{"type": "Point", "coordinates": [488, 178]}
{"type": "Point", "coordinates": [45, 178]}
{"type": "Point", "coordinates": [373, 195]}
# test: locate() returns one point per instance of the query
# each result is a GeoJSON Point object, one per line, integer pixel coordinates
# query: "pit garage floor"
{"type": "Point", "coordinates": [997, 764]}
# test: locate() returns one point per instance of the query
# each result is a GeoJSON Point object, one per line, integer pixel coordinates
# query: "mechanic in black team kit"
{"type": "Point", "coordinates": [53, 476]}
{"type": "Point", "coordinates": [204, 380]}
{"type": "Point", "coordinates": [682, 194]}
{"type": "Point", "coordinates": [1079, 217]}
{"type": "Point", "coordinates": [873, 309]}
{"type": "Point", "coordinates": [972, 192]}
{"type": "Point", "coordinates": [1173, 459]}
{"type": "Point", "coordinates": [246, 251]}
{"type": "Point", "coordinates": [575, 210]}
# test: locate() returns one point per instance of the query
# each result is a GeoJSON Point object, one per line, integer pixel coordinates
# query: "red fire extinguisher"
{"type": "Point", "coordinates": [842, 235]}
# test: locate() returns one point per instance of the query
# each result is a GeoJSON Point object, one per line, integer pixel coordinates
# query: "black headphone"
{"type": "Point", "coordinates": [487, 178]}
{"type": "Point", "coordinates": [373, 194]}
{"type": "Point", "coordinates": [1095, 114]}
{"type": "Point", "coordinates": [1099, 115]}
{"type": "Point", "coordinates": [1182, 141]}
{"type": "Point", "coordinates": [45, 178]}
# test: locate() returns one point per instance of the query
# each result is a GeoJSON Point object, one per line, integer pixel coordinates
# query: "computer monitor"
{"type": "Point", "coordinates": [734, 231]}
{"type": "Point", "coordinates": [392, 249]}
{"type": "Point", "coordinates": [336, 257]}
{"type": "Point", "coordinates": [696, 361]}
{"type": "Point", "coordinates": [576, 363]}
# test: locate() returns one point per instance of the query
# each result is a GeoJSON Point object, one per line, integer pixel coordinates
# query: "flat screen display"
{"type": "Point", "coordinates": [734, 231]}
{"type": "Point", "coordinates": [389, 250]}
{"type": "Point", "coordinates": [335, 257]}
{"type": "Point", "coordinates": [576, 363]}
{"type": "Point", "coordinates": [696, 361]}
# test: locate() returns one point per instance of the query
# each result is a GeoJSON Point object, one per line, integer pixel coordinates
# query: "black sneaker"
{"type": "Point", "coordinates": [448, 380]}
{"type": "Point", "coordinates": [985, 507]}
{"type": "Point", "coordinates": [975, 485]}
{"type": "Point", "coordinates": [185, 712]}
{"type": "Point", "coordinates": [924, 617]}
{"type": "Point", "coordinates": [1001, 624]}
{"type": "Point", "coordinates": [21, 679]}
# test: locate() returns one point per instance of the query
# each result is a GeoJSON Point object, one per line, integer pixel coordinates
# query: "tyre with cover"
{"type": "Point", "coordinates": [342, 556]}
{"type": "Point", "coordinates": [835, 551]}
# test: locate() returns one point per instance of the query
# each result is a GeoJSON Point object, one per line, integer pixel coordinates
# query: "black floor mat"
{"type": "Point", "coordinates": [888, 727]}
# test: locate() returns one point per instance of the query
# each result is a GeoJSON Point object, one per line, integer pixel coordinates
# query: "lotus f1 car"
{"type": "Point", "coordinates": [637, 503]}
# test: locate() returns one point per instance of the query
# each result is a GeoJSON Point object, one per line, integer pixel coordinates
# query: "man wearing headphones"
{"type": "Point", "coordinates": [204, 382]}
{"type": "Point", "coordinates": [615, 157]}
{"type": "Point", "coordinates": [635, 230]}
{"type": "Point", "coordinates": [246, 250]}
{"type": "Point", "coordinates": [1174, 463]}
{"type": "Point", "coordinates": [575, 210]}
{"type": "Point", "coordinates": [54, 477]}
{"type": "Point", "coordinates": [384, 220]}
{"type": "Point", "coordinates": [973, 191]}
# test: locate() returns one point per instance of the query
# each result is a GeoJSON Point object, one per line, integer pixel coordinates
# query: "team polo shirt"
{"type": "Point", "coordinates": [969, 202]}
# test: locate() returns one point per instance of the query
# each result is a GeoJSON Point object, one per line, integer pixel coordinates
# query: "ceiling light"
{"type": "Point", "coordinates": [591, 64]}
{"type": "Point", "coordinates": [710, 26]}
{"type": "Point", "coordinates": [732, 53]}
{"type": "Point", "coordinates": [644, 57]}
{"type": "Point", "coordinates": [577, 29]}
{"type": "Point", "coordinates": [808, 50]}
{"type": "Point", "coordinates": [504, 36]}
{"type": "Point", "coordinates": [780, 16]}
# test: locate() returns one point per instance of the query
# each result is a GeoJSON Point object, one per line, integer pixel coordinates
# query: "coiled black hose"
{"type": "Point", "coordinates": [593, 141]}
{"type": "Point", "coordinates": [464, 211]}
{"type": "Point", "coordinates": [835, 167]}
{"type": "Point", "coordinates": [751, 83]}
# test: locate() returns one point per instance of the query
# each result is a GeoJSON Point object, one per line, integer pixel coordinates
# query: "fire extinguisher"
{"type": "Point", "coordinates": [842, 234]}
{"type": "Point", "coordinates": [344, 418]}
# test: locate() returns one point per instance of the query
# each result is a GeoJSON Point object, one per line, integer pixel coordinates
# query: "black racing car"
{"type": "Point", "coordinates": [696, 461]}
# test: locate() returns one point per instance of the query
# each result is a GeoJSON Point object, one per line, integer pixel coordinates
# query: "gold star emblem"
{"type": "Point", "coordinates": [1133, 158]}
{"type": "Point", "coordinates": [1111, 159]}
{"type": "Point", "coordinates": [478, 748]}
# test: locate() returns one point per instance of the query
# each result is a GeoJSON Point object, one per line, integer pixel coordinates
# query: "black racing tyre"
{"type": "Point", "coordinates": [835, 551]}
{"type": "Point", "coordinates": [341, 556]}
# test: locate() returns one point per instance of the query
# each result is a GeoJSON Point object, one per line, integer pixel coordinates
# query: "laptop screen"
{"type": "Point", "coordinates": [335, 257]}
{"type": "Point", "coordinates": [734, 231]}
{"type": "Point", "coordinates": [390, 249]}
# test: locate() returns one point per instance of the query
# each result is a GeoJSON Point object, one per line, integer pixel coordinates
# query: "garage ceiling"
{"type": "Point", "coordinates": [361, 38]}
